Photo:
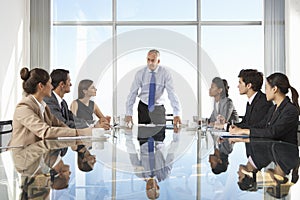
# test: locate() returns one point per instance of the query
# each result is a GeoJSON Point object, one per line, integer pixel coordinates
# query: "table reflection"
{"type": "Point", "coordinates": [278, 159]}
{"type": "Point", "coordinates": [151, 162]}
{"type": "Point", "coordinates": [40, 167]}
{"type": "Point", "coordinates": [219, 159]}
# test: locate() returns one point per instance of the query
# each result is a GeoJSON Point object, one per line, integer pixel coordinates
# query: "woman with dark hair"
{"type": "Point", "coordinates": [84, 107]}
{"type": "Point", "coordinates": [281, 122]}
{"type": "Point", "coordinates": [219, 159]}
{"type": "Point", "coordinates": [32, 119]}
{"type": "Point", "coordinates": [223, 106]}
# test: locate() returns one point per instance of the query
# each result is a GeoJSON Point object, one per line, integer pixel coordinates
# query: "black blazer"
{"type": "Point", "coordinates": [69, 119]}
{"type": "Point", "coordinates": [260, 151]}
{"type": "Point", "coordinates": [280, 124]}
{"type": "Point", "coordinates": [256, 112]}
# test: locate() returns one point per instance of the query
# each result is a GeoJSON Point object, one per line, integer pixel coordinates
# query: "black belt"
{"type": "Point", "coordinates": [147, 105]}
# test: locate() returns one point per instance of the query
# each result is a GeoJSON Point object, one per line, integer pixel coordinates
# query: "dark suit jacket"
{"type": "Point", "coordinates": [256, 112]}
{"type": "Point", "coordinates": [263, 152]}
{"type": "Point", "coordinates": [260, 151]}
{"type": "Point", "coordinates": [280, 124]}
{"type": "Point", "coordinates": [69, 119]}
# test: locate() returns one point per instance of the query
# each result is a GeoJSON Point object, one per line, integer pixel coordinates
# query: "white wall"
{"type": "Point", "coordinates": [293, 42]}
{"type": "Point", "coordinates": [14, 51]}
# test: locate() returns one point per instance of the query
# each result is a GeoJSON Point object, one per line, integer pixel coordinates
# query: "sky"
{"type": "Point", "coordinates": [229, 48]}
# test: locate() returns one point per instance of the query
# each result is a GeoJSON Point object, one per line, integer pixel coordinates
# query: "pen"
{"type": "Point", "coordinates": [232, 123]}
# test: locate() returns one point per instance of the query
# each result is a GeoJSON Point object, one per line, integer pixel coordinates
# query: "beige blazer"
{"type": "Point", "coordinates": [27, 160]}
{"type": "Point", "coordinates": [29, 126]}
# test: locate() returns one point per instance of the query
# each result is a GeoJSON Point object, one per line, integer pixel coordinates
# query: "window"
{"type": "Point", "coordinates": [107, 41]}
{"type": "Point", "coordinates": [225, 38]}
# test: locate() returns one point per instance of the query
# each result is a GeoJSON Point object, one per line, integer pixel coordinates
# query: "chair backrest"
{"type": "Point", "coordinates": [6, 126]}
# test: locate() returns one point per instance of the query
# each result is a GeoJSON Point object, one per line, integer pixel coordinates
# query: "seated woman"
{"type": "Point", "coordinates": [83, 107]}
{"type": "Point", "coordinates": [224, 110]}
{"type": "Point", "coordinates": [32, 120]}
{"type": "Point", "coordinates": [281, 122]}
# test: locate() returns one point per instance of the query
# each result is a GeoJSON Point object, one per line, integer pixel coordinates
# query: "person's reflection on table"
{"type": "Point", "coordinates": [152, 165]}
{"type": "Point", "coordinates": [219, 159]}
{"type": "Point", "coordinates": [41, 168]}
{"type": "Point", "coordinates": [85, 161]}
{"type": "Point", "coordinates": [261, 154]}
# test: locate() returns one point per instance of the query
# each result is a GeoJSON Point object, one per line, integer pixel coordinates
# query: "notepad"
{"type": "Point", "coordinates": [225, 134]}
{"type": "Point", "coordinates": [234, 136]}
{"type": "Point", "coordinates": [220, 132]}
{"type": "Point", "coordinates": [147, 125]}
{"type": "Point", "coordinates": [82, 138]}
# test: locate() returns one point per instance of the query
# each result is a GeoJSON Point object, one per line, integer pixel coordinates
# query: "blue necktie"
{"type": "Point", "coordinates": [151, 155]}
{"type": "Point", "coordinates": [151, 98]}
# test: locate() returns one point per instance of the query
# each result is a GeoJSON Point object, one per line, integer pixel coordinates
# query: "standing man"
{"type": "Point", "coordinates": [61, 83]}
{"type": "Point", "coordinates": [152, 80]}
{"type": "Point", "coordinates": [250, 83]}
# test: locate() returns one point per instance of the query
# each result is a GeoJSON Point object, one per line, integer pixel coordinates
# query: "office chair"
{"type": "Point", "coordinates": [5, 131]}
{"type": "Point", "coordinates": [4, 124]}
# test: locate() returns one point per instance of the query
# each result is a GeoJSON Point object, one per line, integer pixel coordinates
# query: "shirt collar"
{"type": "Point", "coordinates": [41, 105]}
{"type": "Point", "coordinates": [59, 99]}
{"type": "Point", "coordinates": [251, 98]}
{"type": "Point", "coordinates": [155, 71]}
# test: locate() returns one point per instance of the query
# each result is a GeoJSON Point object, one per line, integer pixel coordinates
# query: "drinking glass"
{"type": "Point", "coordinates": [196, 119]}
{"type": "Point", "coordinates": [116, 120]}
{"type": "Point", "coordinates": [204, 123]}
{"type": "Point", "coordinates": [184, 123]}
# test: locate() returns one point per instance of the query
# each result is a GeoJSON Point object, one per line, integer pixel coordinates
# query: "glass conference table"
{"type": "Point", "coordinates": [133, 163]}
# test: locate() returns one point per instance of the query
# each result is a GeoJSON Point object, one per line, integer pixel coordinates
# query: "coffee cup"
{"type": "Point", "coordinates": [98, 132]}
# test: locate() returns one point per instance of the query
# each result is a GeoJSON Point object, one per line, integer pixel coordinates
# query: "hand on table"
{"type": "Point", "coordinates": [176, 123]}
{"type": "Point", "coordinates": [234, 130]}
{"type": "Point", "coordinates": [102, 124]}
{"type": "Point", "coordinates": [128, 121]}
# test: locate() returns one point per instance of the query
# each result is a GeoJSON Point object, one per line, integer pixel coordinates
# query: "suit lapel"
{"type": "Point", "coordinates": [277, 112]}
{"type": "Point", "coordinates": [65, 109]}
{"type": "Point", "coordinates": [250, 108]}
{"type": "Point", "coordinates": [256, 98]}
{"type": "Point", "coordinates": [46, 115]}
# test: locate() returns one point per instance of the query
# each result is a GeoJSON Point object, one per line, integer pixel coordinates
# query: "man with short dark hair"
{"type": "Point", "coordinates": [250, 83]}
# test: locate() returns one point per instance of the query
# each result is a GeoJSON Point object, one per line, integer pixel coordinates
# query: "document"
{"type": "Point", "coordinates": [225, 134]}
{"type": "Point", "coordinates": [104, 137]}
